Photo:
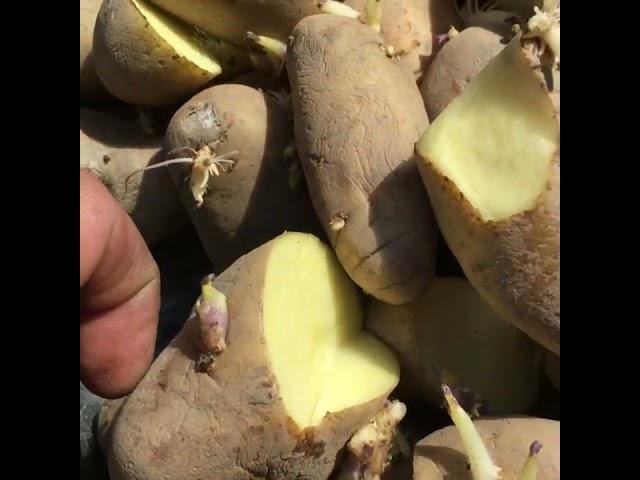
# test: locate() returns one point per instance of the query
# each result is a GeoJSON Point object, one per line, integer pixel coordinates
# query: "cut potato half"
{"type": "Point", "coordinates": [145, 56]}
{"type": "Point", "coordinates": [491, 165]}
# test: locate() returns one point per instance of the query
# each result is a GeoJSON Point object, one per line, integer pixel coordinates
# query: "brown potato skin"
{"type": "Point", "coordinates": [113, 148]}
{"type": "Point", "coordinates": [231, 20]}
{"type": "Point", "coordinates": [457, 64]}
{"type": "Point", "coordinates": [411, 26]}
{"type": "Point", "coordinates": [91, 88]}
{"type": "Point", "coordinates": [184, 425]}
{"type": "Point", "coordinates": [357, 116]}
{"type": "Point", "coordinates": [514, 263]}
{"type": "Point", "coordinates": [136, 64]}
{"type": "Point", "coordinates": [441, 455]}
{"type": "Point", "coordinates": [253, 202]}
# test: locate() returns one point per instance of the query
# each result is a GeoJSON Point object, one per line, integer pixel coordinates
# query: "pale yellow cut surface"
{"type": "Point", "coordinates": [180, 37]}
{"type": "Point", "coordinates": [313, 322]}
{"type": "Point", "coordinates": [495, 141]}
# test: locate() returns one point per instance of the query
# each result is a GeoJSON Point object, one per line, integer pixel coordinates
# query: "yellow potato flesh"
{"type": "Point", "coordinates": [495, 141]}
{"type": "Point", "coordinates": [323, 360]}
{"type": "Point", "coordinates": [180, 36]}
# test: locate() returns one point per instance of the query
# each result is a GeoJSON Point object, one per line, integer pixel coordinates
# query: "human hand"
{"type": "Point", "coordinates": [119, 294]}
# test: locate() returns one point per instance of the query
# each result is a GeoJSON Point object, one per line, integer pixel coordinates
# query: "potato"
{"type": "Point", "coordinates": [450, 333]}
{"type": "Point", "coordinates": [491, 165]}
{"type": "Point", "coordinates": [231, 21]}
{"type": "Point", "coordinates": [297, 378]}
{"type": "Point", "coordinates": [261, 194]}
{"type": "Point", "coordinates": [357, 116]}
{"type": "Point", "coordinates": [113, 149]}
{"type": "Point", "coordinates": [552, 369]}
{"type": "Point", "coordinates": [145, 57]}
{"type": "Point", "coordinates": [442, 455]}
{"type": "Point", "coordinates": [459, 62]}
{"type": "Point", "coordinates": [412, 28]}
{"type": "Point", "coordinates": [91, 89]}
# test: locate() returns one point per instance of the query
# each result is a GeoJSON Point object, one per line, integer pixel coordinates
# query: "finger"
{"type": "Point", "coordinates": [119, 294]}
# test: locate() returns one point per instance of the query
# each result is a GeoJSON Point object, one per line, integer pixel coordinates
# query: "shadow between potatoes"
{"type": "Point", "coordinates": [183, 264]}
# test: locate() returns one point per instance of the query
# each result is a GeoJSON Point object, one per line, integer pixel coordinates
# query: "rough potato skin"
{"type": "Point", "coordinates": [113, 148]}
{"type": "Point", "coordinates": [253, 202]}
{"type": "Point", "coordinates": [357, 116]}
{"type": "Point", "coordinates": [441, 455]}
{"type": "Point", "coordinates": [231, 20]}
{"type": "Point", "coordinates": [136, 64]}
{"type": "Point", "coordinates": [411, 27]}
{"type": "Point", "coordinates": [232, 425]}
{"type": "Point", "coordinates": [456, 65]}
{"type": "Point", "coordinates": [91, 89]}
{"type": "Point", "coordinates": [514, 263]}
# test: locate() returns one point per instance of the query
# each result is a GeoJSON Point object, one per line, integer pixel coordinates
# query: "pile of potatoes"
{"type": "Point", "coordinates": [335, 159]}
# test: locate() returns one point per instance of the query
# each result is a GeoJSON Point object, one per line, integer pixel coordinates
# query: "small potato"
{"type": "Point", "coordinates": [91, 89]}
{"type": "Point", "coordinates": [459, 62]}
{"type": "Point", "coordinates": [292, 378]}
{"type": "Point", "coordinates": [442, 455]}
{"type": "Point", "coordinates": [255, 189]}
{"type": "Point", "coordinates": [413, 28]}
{"type": "Point", "coordinates": [145, 57]}
{"type": "Point", "coordinates": [114, 149]}
{"type": "Point", "coordinates": [357, 116]}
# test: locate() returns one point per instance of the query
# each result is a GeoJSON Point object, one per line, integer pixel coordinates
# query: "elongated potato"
{"type": "Point", "coordinates": [357, 116]}
{"type": "Point", "coordinates": [259, 192]}
{"type": "Point", "coordinates": [491, 165]}
{"type": "Point", "coordinates": [231, 21]}
{"type": "Point", "coordinates": [412, 27]}
{"type": "Point", "coordinates": [146, 57]}
{"type": "Point", "coordinates": [91, 88]}
{"type": "Point", "coordinates": [442, 455]}
{"type": "Point", "coordinates": [452, 335]}
{"type": "Point", "coordinates": [113, 149]}
{"type": "Point", "coordinates": [459, 62]}
{"type": "Point", "coordinates": [297, 378]}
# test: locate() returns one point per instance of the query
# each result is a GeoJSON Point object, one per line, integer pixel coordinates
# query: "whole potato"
{"type": "Point", "coordinates": [357, 116]}
{"type": "Point", "coordinates": [450, 334]}
{"type": "Point", "coordinates": [457, 64]}
{"type": "Point", "coordinates": [262, 193]}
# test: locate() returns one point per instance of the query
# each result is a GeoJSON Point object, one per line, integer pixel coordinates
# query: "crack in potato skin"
{"type": "Point", "coordinates": [357, 116]}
